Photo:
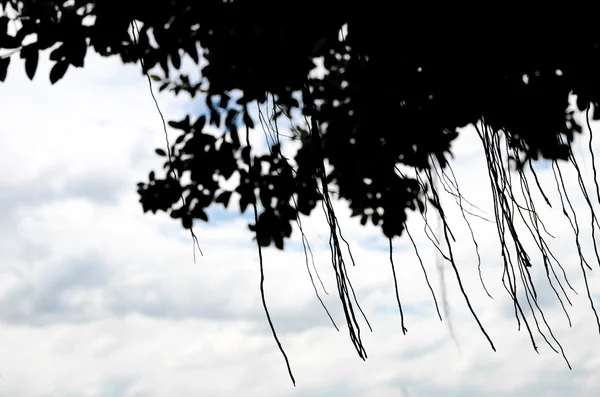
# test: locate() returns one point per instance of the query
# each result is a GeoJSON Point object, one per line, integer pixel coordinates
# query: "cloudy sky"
{"type": "Point", "coordinates": [98, 299]}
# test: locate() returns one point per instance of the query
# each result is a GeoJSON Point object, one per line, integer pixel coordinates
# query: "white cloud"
{"type": "Point", "coordinates": [97, 299]}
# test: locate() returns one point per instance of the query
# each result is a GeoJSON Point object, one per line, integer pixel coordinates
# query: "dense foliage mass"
{"type": "Point", "coordinates": [392, 94]}
{"type": "Point", "coordinates": [397, 87]}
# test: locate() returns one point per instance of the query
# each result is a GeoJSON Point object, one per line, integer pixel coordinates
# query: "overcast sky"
{"type": "Point", "coordinates": [98, 299]}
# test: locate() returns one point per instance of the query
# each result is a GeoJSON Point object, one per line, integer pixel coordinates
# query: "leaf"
{"type": "Point", "coordinates": [186, 222]}
{"type": "Point", "coordinates": [179, 139]}
{"type": "Point", "coordinates": [230, 117]}
{"type": "Point", "coordinates": [235, 136]}
{"type": "Point", "coordinates": [10, 43]}
{"type": "Point", "coordinates": [421, 206]}
{"type": "Point", "coordinates": [248, 120]}
{"type": "Point", "coordinates": [264, 241]}
{"type": "Point", "coordinates": [76, 52]}
{"type": "Point", "coordinates": [376, 218]}
{"type": "Point", "coordinates": [176, 59]}
{"type": "Point", "coordinates": [244, 201]}
{"type": "Point", "coordinates": [193, 51]}
{"type": "Point", "coordinates": [161, 152]}
{"type": "Point", "coordinates": [356, 212]}
{"type": "Point", "coordinates": [215, 118]}
{"type": "Point", "coordinates": [4, 25]}
{"type": "Point", "coordinates": [287, 212]}
{"type": "Point", "coordinates": [155, 78]}
{"type": "Point", "coordinates": [4, 62]}
{"type": "Point", "coordinates": [278, 242]}
{"type": "Point", "coordinates": [582, 102]}
{"type": "Point", "coordinates": [200, 214]}
{"type": "Point", "coordinates": [286, 229]}
{"type": "Point", "coordinates": [58, 71]}
{"type": "Point", "coordinates": [246, 154]}
{"type": "Point", "coordinates": [224, 102]}
{"type": "Point", "coordinates": [224, 198]}
{"type": "Point", "coordinates": [265, 197]}
{"type": "Point", "coordinates": [164, 66]}
{"type": "Point", "coordinates": [183, 125]}
{"type": "Point", "coordinates": [58, 53]}
{"type": "Point", "coordinates": [31, 62]}
{"type": "Point", "coordinates": [199, 124]}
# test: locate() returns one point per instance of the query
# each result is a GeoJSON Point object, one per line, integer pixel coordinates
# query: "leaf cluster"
{"type": "Point", "coordinates": [395, 91]}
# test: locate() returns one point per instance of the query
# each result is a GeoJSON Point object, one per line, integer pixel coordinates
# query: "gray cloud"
{"type": "Point", "coordinates": [44, 298]}
{"type": "Point", "coordinates": [98, 187]}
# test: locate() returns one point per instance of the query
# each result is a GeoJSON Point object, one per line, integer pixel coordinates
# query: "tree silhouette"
{"type": "Point", "coordinates": [396, 88]}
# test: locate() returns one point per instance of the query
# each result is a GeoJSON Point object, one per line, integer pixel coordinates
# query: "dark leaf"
{"type": "Point", "coordinates": [193, 51]}
{"type": "Point", "coordinates": [179, 139]}
{"type": "Point", "coordinates": [161, 152]}
{"type": "Point", "coordinates": [4, 62]}
{"type": "Point", "coordinates": [376, 218]}
{"type": "Point", "coordinates": [230, 117]}
{"type": "Point", "coordinates": [363, 219]}
{"type": "Point", "coordinates": [200, 214]}
{"type": "Point", "coordinates": [244, 201]}
{"type": "Point", "coordinates": [209, 102]}
{"type": "Point", "coordinates": [176, 59]}
{"type": "Point", "coordinates": [199, 124]}
{"type": "Point", "coordinates": [77, 51]}
{"type": "Point", "coordinates": [4, 26]}
{"type": "Point", "coordinates": [287, 212]}
{"type": "Point", "coordinates": [183, 125]}
{"type": "Point", "coordinates": [265, 197]}
{"type": "Point", "coordinates": [264, 240]}
{"type": "Point", "coordinates": [278, 242]}
{"type": "Point", "coordinates": [248, 120]}
{"type": "Point", "coordinates": [356, 212]}
{"type": "Point", "coordinates": [246, 154]}
{"type": "Point", "coordinates": [58, 71]}
{"type": "Point", "coordinates": [31, 56]}
{"type": "Point", "coordinates": [215, 118]}
{"type": "Point", "coordinates": [58, 53]}
{"type": "Point", "coordinates": [155, 77]}
{"type": "Point", "coordinates": [582, 102]}
{"type": "Point", "coordinates": [235, 136]}
{"type": "Point", "coordinates": [163, 62]}
{"type": "Point", "coordinates": [10, 42]}
{"type": "Point", "coordinates": [421, 206]}
{"type": "Point", "coordinates": [187, 222]}
{"type": "Point", "coordinates": [224, 198]}
{"type": "Point", "coordinates": [224, 101]}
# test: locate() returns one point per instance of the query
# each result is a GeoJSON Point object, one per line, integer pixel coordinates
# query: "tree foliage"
{"type": "Point", "coordinates": [396, 89]}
